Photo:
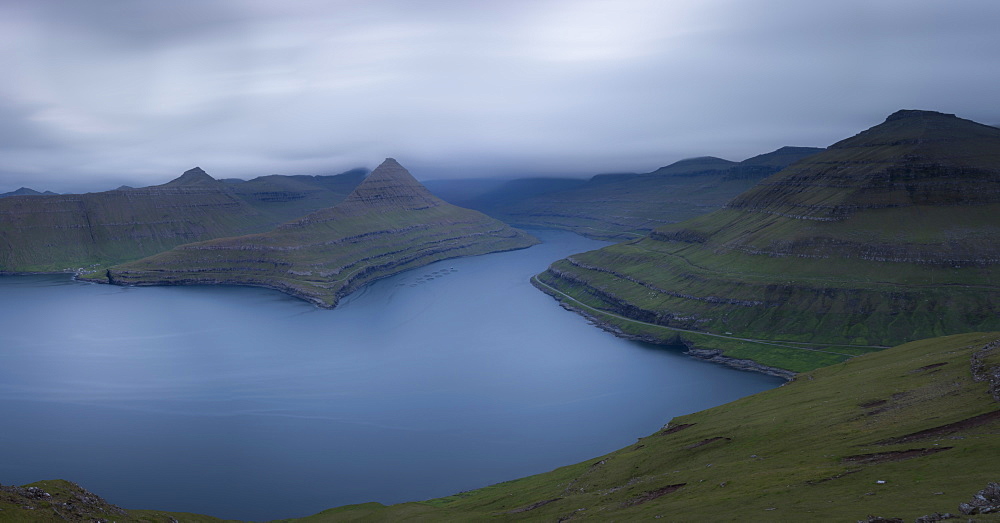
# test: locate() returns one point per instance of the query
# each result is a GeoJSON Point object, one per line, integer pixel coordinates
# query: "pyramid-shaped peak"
{"type": "Point", "coordinates": [390, 186]}
{"type": "Point", "coordinates": [391, 169]}
{"type": "Point", "coordinates": [195, 176]}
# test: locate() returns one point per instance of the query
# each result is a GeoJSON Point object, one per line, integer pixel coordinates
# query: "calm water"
{"type": "Point", "coordinates": [245, 403]}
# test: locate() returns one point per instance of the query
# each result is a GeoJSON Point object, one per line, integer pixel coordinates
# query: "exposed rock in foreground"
{"type": "Point", "coordinates": [885, 237]}
{"type": "Point", "coordinates": [390, 223]}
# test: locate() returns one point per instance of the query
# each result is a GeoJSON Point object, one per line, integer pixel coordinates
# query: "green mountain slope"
{"type": "Point", "coordinates": [390, 223]}
{"type": "Point", "coordinates": [885, 237]}
{"type": "Point", "coordinates": [57, 232]}
{"type": "Point", "coordinates": [907, 432]}
{"type": "Point", "coordinates": [621, 206]}
{"type": "Point", "coordinates": [285, 198]}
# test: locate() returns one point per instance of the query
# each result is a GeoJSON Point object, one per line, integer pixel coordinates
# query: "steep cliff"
{"type": "Point", "coordinates": [885, 237]}
{"type": "Point", "coordinates": [388, 224]}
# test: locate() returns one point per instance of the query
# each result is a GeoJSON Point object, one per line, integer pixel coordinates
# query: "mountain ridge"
{"type": "Point", "coordinates": [623, 206]}
{"type": "Point", "coordinates": [885, 237]}
{"type": "Point", "coordinates": [388, 224]}
{"type": "Point", "coordinates": [54, 233]}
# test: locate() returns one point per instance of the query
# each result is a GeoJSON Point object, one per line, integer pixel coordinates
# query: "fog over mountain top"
{"type": "Point", "coordinates": [99, 94]}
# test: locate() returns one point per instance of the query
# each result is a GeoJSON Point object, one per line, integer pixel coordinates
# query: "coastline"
{"type": "Point", "coordinates": [710, 355]}
{"type": "Point", "coordinates": [353, 284]}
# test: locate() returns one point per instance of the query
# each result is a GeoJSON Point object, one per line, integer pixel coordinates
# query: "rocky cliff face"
{"type": "Point", "coordinates": [885, 237]}
{"type": "Point", "coordinates": [390, 223]}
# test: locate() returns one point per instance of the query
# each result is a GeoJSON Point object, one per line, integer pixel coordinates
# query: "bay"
{"type": "Point", "coordinates": [245, 403]}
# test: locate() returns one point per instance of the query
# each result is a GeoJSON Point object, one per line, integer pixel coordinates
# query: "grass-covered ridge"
{"type": "Point", "coordinates": [388, 224]}
{"type": "Point", "coordinates": [52, 233]}
{"type": "Point", "coordinates": [886, 237]}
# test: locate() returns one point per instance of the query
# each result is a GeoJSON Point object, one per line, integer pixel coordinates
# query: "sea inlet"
{"type": "Point", "coordinates": [246, 403]}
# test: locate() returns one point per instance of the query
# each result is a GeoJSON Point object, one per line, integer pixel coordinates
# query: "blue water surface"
{"type": "Point", "coordinates": [245, 403]}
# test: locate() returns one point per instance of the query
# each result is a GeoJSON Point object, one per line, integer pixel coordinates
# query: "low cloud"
{"type": "Point", "coordinates": [137, 92]}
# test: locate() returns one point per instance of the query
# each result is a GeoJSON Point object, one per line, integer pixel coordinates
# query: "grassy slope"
{"type": "Point", "coordinates": [53, 233]}
{"type": "Point", "coordinates": [865, 244]}
{"type": "Point", "coordinates": [798, 452]}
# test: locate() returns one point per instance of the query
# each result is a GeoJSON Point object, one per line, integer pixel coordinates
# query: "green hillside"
{"type": "Point", "coordinates": [623, 206]}
{"type": "Point", "coordinates": [47, 233]}
{"type": "Point", "coordinates": [390, 223]}
{"type": "Point", "coordinates": [907, 432]}
{"type": "Point", "coordinates": [885, 237]}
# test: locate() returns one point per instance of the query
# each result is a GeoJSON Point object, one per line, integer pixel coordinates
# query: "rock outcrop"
{"type": "Point", "coordinates": [388, 224]}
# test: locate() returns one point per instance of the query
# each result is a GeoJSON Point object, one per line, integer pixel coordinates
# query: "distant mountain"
{"type": "Point", "coordinates": [59, 232]}
{"type": "Point", "coordinates": [620, 206]}
{"type": "Point", "coordinates": [24, 191]}
{"type": "Point", "coordinates": [889, 236]}
{"type": "Point", "coordinates": [388, 224]}
{"type": "Point", "coordinates": [193, 178]}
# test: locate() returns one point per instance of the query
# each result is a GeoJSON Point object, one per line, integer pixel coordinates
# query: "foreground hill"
{"type": "Point", "coordinates": [45, 233]}
{"type": "Point", "coordinates": [905, 433]}
{"type": "Point", "coordinates": [889, 236]}
{"type": "Point", "coordinates": [909, 432]}
{"type": "Point", "coordinates": [390, 223]}
{"type": "Point", "coordinates": [622, 206]}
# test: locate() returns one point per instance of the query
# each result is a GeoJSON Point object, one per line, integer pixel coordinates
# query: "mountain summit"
{"type": "Point", "coordinates": [193, 177]}
{"type": "Point", "coordinates": [390, 186]}
{"type": "Point", "coordinates": [913, 158]}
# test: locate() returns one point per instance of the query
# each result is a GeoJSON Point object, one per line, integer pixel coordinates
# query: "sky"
{"type": "Point", "coordinates": [107, 92]}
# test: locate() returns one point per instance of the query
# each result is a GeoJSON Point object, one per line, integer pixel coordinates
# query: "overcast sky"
{"type": "Point", "coordinates": [103, 92]}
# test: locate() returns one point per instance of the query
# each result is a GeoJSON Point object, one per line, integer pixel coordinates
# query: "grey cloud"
{"type": "Point", "coordinates": [140, 91]}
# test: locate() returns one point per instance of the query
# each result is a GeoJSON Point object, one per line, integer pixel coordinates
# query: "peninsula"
{"type": "Point", "coordinates": [388, 224]}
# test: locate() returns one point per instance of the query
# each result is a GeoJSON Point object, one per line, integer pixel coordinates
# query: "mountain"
{"type": "Point", "coordinates": [64, 232]}
{"type": "Point", "coordinates": [888, 236]}
{"type": "Point", "coordinates": [388, 224]}
{"type": "Point", "coordinates": [24, 191]}
{"type": "Point", "coordinates": [622, 206]}
{"type": "Point", "coordinates": [905, 433]}
{"type": "Point", "coordinates": [284, 198]}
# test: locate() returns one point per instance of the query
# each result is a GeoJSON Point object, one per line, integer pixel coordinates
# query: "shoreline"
{"type": "Point", "coordinates": [710, 355]}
